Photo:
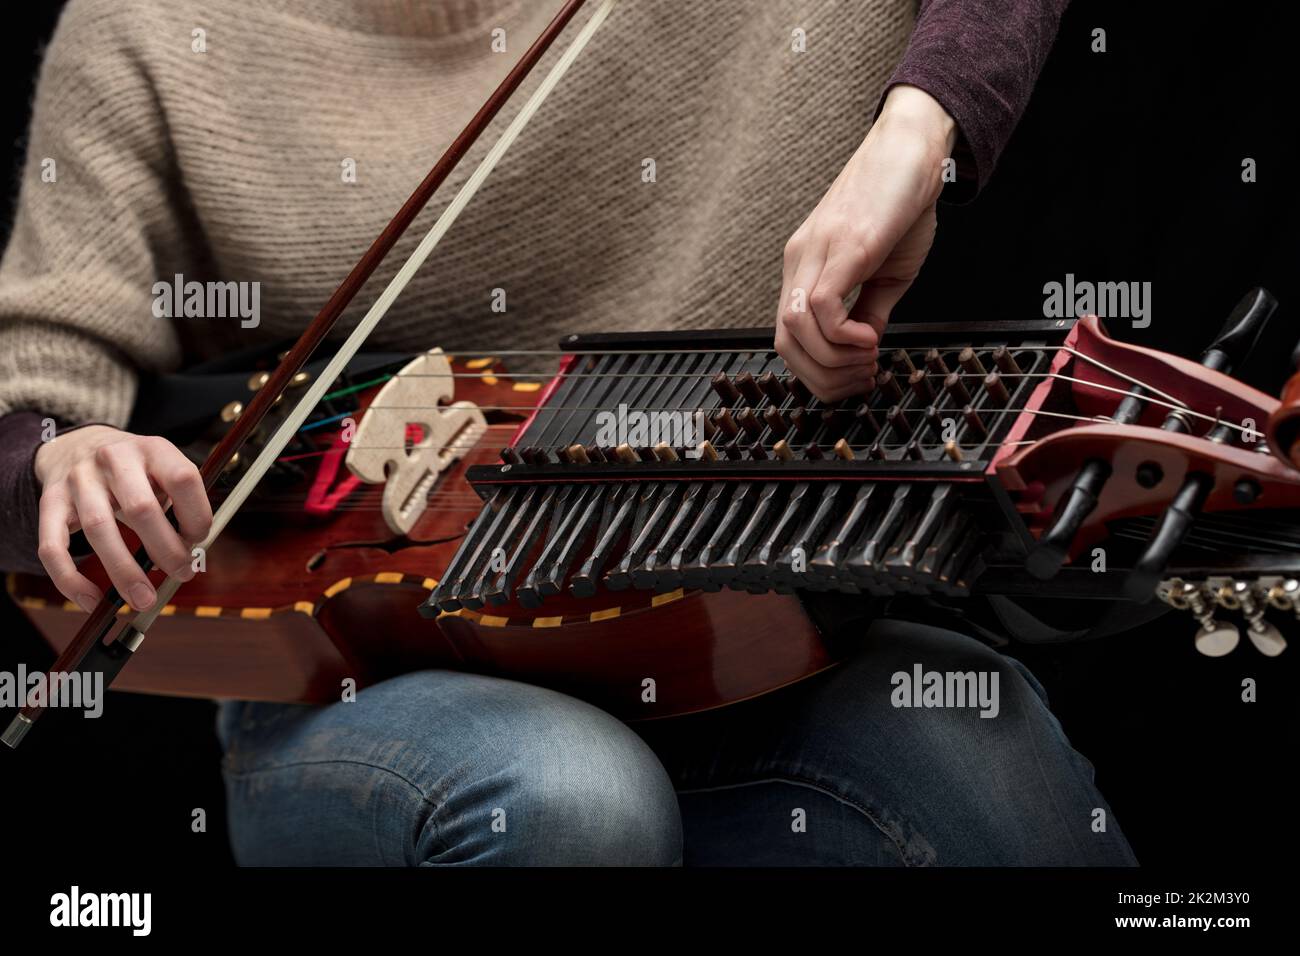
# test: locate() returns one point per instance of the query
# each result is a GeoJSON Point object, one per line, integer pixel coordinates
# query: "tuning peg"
{"type": "Point", "coordinates": [1215, 638]}
{"type": "Point", "coordinates": [1241, 331]}
{"type": "Point", "coordinates": [1268, 640]}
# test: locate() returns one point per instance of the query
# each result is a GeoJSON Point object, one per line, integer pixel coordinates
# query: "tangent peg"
{"type": "Point", "coordinates": [749, 422]}
{"type": "Point", "coordinates": [775, 421]}
{"type": "Point", "coordinates": [898, 421]}
{"type": "Point", "coordinates": [747, 387]}
{"type": "Point", "coordinates": [970, 363]}
{"type": "Point", "coordinates": [974, 422]}
{"type": "Point", "coordinates": [725, 423]}
{"type": "Point", "coordinates": [921, 386]}
{"type": "Point", "coordinates": [1005, 361]}
{"type": "Point", "coordinates": [955, 387]}
{"type": "Point", "coordinates": [887, 382]}
{"type": "Point", "coordinates": [726, 390]}
{"type": "Point", "coordinates": [997, 391]}
{"type": "Point", "coordinates": [772, 387]}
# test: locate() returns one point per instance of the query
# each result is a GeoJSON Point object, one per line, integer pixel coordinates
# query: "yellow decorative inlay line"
{"type": "Point", "coordinates": [527, 386]}
{"type": "Point", "coordinates": [487, 620]}
{"type": "Point", "coordinates": [338, 586]}
{"type": "Point", "coordinates": [255, 613]}
{"type": "Point", "coordinates": [660, 599]}
{"type": "Point", "coordinates": [605, 615]}
{"type": "Point", "coordinates": [122, 611]}
{"type": "Point", "coordinates": [304, 607]}
{"type": "Point", "coordinates": [430, 583]}
{"type": "Point", "coordinates": [461, 612]}
{"type": "Point", "coordinates": [489, 379]}
{"type": "Point", "coordinates": [388, 577]}
{"type": "Point", "coordinates": [203, 611]}
{"type": "Point", "coordinates": [33, 602]}
{"type": "Point", "coordinates": [70, 606]}
{"type": "Point", "coordinates": [169, 610]}
{"type": "Point", "coordinates": [479, 363]}
{"type": "Point", "coordinates": [547, 621]}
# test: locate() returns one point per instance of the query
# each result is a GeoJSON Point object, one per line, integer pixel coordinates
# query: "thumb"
{"type": "Point", "coordinates": [876, 302]}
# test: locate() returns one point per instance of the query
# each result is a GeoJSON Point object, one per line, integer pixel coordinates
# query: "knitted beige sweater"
{"type": "Point", "coordinates": [229, 165]}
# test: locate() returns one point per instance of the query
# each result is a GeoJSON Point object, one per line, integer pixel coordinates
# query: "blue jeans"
{"type": "Point", "coordinates": [437, 768]}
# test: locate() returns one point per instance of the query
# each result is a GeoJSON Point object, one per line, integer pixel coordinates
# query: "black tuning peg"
{"type": "Point", "coordinates": [1240, 333]}
{"type": "Point", "coordinates": [1175, 523]}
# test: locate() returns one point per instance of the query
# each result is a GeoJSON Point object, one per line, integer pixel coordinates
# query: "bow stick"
{"type": "Point", "coordinates": [88, 650]}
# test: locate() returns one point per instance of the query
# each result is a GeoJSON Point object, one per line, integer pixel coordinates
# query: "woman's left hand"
{"type": "Point", "coordinates": [873, 229]}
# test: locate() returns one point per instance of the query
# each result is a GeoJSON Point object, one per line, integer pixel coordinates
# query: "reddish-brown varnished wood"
{"type": "Point", "coordinates": [1283, 430]}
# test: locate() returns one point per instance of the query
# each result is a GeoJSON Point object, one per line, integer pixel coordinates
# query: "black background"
{"type": "Point", "coordinates": [1126, 167]}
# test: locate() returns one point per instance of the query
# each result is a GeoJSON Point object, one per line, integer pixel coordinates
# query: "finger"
{"type": "Point", "coordinates": [142, 513]}
{"type": "Point", "coordinates": [95, 512]}
{"type": "Point", "coordinates": [877, 302]}
{"type": "Point", "coordinates": [826, 383]}
{"type": "Point", "coordinates": [53, 539]}
{"type": "Point", "coordinates": [808, 333]}
{"type": "Point", "coordinates": [800, 319]}
{"type": "Point", "coordinates": [843, 273]}
{"type": "Point", "coordinates": [180, 480]}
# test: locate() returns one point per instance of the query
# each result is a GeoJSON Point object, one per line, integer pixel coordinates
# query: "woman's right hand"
{"type": "Point", "coordinates": [92, 476]}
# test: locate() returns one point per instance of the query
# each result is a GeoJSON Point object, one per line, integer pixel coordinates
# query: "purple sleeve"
{"type": "Point", "coordinates": [20, 437]}
{"type": "Point", "coordinates": [980, 61]}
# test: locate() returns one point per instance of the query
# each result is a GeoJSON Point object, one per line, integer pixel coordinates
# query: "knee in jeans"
{"type": "Point", "coordinates": [606, 815]}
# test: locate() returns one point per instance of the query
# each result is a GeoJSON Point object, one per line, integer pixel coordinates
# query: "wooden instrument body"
{"type": "Point", "coordinates": [292, 605]}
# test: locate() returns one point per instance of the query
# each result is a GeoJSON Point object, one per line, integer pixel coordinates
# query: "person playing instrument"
{"type": "Point", "coordinates": [267, 141]}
